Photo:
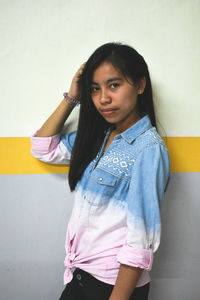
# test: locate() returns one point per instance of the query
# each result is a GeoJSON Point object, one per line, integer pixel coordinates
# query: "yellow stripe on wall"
{"type": "Point", "coordinates": [184, 153]}
{"type": "Point", "coordinates": [15, 157]}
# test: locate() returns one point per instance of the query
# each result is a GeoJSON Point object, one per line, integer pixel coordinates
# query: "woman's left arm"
{"type": "Point", "coordinates": [126, 281]}
{"type": "Point", "coordinates": [149, 177]}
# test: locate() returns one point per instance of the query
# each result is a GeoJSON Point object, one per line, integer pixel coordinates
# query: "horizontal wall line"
{"type": "Point", "coordinates": [15, 157]}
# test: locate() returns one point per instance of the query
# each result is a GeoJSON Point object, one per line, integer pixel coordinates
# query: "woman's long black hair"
{"type": "Point", "coordinates": [91, 125]}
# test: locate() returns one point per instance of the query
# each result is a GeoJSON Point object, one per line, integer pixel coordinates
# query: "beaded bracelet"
{"type": "Point", "coordinates": [71, 100]}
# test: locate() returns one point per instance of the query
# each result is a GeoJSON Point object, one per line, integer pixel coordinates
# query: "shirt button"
{"type": "Point", "coordinates": [78, 276]}
{"type": "Point", "coordinates": [100, 179]}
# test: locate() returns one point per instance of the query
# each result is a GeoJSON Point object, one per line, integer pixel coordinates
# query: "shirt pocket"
{"type": "Point", "coordinates": [101, 187]}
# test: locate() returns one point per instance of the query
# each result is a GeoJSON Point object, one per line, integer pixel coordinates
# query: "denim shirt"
{"type": "Point", "coordinates": [116, 214]}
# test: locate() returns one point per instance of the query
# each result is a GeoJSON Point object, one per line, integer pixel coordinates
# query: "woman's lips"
{"type": "Point", "coordinates": [108, 111]}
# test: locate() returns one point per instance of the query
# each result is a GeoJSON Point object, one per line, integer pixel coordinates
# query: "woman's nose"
{"type": "Point", "coordinates": [104, 97]}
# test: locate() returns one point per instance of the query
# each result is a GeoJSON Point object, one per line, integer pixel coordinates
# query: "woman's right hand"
{"type": "Point", "coordinates": [74, 91]}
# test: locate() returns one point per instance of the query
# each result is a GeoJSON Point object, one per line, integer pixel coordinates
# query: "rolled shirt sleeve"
{"type": "Point", "coordinates": [150, 175]}
{"type": "Point", "coordinates": [54, 149]}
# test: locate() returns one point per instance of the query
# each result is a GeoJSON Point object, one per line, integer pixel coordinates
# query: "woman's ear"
{"type": "Point", "coordinates": [141, 85]}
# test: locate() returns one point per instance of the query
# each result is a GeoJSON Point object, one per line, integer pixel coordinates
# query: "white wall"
{"type": "Point", "coordinates": [44, 42]}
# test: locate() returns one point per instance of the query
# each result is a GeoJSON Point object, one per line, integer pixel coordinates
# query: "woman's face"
{"type": "Point", "coordinates": [115, 97]}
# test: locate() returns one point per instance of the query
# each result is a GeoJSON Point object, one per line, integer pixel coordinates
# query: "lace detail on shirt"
{"type": "Point", "coordinates": [117, 162]}
{"type": "Point", "coordinates": [120, 160]}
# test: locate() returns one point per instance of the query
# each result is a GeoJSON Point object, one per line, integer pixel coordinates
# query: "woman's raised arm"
{"type": "Point", "coordinates": [55, 122]}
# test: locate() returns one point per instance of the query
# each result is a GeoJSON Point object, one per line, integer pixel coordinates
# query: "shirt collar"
{"type": "Point", "coordinates": [135, 130]}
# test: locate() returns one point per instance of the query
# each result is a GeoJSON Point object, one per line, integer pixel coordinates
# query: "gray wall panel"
{"type": "Point", "coordinates": [34, 211]}
{"type": "Point", "coordinates": [176, 269]}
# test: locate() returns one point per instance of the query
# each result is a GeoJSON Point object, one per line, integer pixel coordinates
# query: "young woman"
{"type": "Point", "coordinates": [119, 169]}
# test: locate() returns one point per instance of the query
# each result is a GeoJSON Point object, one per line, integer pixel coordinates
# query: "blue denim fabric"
{"type": "Point", "coordinates": [133, 171]}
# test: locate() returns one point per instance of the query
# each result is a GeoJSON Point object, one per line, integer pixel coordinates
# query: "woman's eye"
{"type": "Point", "coordinates": [94, 88]}
{"type": "Point", "coordinates": [114, 85]}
